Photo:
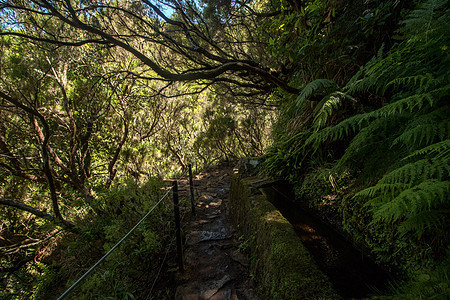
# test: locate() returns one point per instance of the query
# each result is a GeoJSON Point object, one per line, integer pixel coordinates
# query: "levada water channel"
{"type": "Point", "coordinates": [352, 273]}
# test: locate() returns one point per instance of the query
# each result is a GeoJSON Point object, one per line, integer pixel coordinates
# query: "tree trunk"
{"type": "Point", "coordinates": [45, 158]}
{"type": "Point", "coordinates": [39, 213]}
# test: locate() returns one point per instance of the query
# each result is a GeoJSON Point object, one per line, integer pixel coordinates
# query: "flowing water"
{"type": "Point", "coordinates": [352, 273]}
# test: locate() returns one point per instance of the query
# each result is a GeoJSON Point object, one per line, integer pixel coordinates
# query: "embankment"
{"type": "Point", "coordinates": [282, 266]}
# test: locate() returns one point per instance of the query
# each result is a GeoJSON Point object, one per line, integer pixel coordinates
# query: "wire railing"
{"type": "Point", "coordinates": [177, 236]}
{"type": "Point", "coordinates": [160, 267]}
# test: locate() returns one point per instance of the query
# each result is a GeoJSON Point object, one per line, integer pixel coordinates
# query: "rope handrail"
{"type": "Point", "coordinates": [164, 260]}
{"type": "Point", "coordinates": [114, 247]}
{"type": "Point", "coordinates": [161, 266]}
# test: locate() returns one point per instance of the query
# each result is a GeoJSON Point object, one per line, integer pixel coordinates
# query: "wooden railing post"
{"type": "Point", "coordinates": [191, 185]}
{"type": "Point", "coordinates": [176, 210]}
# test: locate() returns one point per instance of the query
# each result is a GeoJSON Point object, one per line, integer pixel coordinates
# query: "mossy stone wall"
{"type": "Point", "coordinates": [282, 266]}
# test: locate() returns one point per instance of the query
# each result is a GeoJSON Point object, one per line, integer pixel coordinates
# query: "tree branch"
{"type": "Point", "coordinates": [28, 208]}
{"type": "Point", "coordinates": [45, 157]}
{"type": "Point", "coordinates": [15, 248]}
{"type": "Point", "coordinates": [111, 170]}
{"type": "Point", "coordinates": [57, 42]}
{"type": "Point", "coordinates": [189, 76]}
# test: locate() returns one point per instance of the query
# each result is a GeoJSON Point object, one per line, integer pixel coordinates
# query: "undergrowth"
{"type": "Point", "coordinates": [394, 152]}
{"type": "Point", "coordinates": [126, 273]}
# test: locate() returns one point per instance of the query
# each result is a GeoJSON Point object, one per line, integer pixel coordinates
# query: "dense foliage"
{"type": "Point", "coordinates": [100, 100]}
{"type": "Point", "coordinates": [372, 152]}
{"type": "Point", "coordinates": [86, 135]}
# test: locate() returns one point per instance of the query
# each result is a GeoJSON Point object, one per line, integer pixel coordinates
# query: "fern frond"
{"type": "Point", "coordinates": [345, 128]}
{"type": "Point", "coordinates": [357, 122]}
{"type": "Point", "coordinates": [419, 23]}
{"type": "Point", "coordinates": [413, 190]}
{"type": "Point", "coordinates": [425, 129]}
{"type": "Point", "coordinates": [417, 81]}
{"type": "Point", "coordinates": [409, 64]}
{"type": "Point", "coordinates": [424, 196]}
{"type": "Point", "coordinates": [419, 135]}
{"type": "Point", "coordinates": [314, 87]}
{"type": "Point", "coordinates": [379, 72]}
{"type": "Point", "coordinates": [436, 150]}
{"type": "Point", "coordinates": [325, 109]}
{"type": "Point", "coordinates": [421, 169]}
{"type": "Point", "coordinates": [381, 190]}
{"type": "Point", "coordinates": [423, 221]}
{"type": "Point", "coordinates": [359, 82]}
{"type": "Point", "coordinates": [409, 104]}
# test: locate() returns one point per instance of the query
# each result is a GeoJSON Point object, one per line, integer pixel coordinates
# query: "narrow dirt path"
{"type": "Point", "coordinates": [215, 268]}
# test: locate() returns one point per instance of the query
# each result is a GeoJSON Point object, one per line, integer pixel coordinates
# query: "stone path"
{"type": "Point", "coordinates": [215, 268]}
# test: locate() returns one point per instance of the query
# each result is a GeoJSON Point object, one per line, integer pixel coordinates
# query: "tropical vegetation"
{"type": "Point", "coordinates": [103, 100]}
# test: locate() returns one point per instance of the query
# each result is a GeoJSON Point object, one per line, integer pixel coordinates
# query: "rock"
{"type": "Point", "coordinates": [247, 166]}
{"type": "Point", "coordinates": [216, 203]}
{"type": "Point", "coordinates": [239, 257]}
{"type": "Point", "coordinates": [224, 295]}
{"type": "Point", "coordinates": [212, 287]}
{"type": "Point", "coordinates": [206, 198]}
{"type": "Point", "coordinates": [214, 268]}
{"type": "Point", "coordinates": [200, 236]}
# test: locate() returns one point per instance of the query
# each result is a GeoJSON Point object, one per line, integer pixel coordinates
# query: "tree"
{"type": "Point", "coordinates": [187, 47]}
{"type": "Point", "coordinates": [378, 144]}
{"type": "Point", "coordinates": [54, 104]}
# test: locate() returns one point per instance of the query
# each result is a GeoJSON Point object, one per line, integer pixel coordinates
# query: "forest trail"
{"type": "Point", "coordinates": [214, 267]}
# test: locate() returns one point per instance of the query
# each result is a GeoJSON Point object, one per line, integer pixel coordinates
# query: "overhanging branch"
{"type": "Point", "coordinates": [226, 65]}
{"type": "Point", "coordinates": [56, 42]}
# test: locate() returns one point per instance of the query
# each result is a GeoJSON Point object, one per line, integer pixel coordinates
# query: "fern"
{"type": "Point", "coordinates": [314, 87]}
{"type": "Point", "coordinates": [345, 128]}
{"type": "Point", "coordinates": [382, 189]}
{"type": "Point", "coordinates": [414, 191]}
{"type": "Point", "coordinates": [417, 82]}
{"type": "Point", "coordinates": [423, 221]}
{"type": "Point", "coordinates": [407, 175]}
{"type": "Point", "coordinates": [424, 168]}
{"type": "Point", "coordinates": [403, 146]}
{"type": "Point", "coordinates": [359, 81]}
{"type": "Point", "coordinates": [418, 62]}
{"type": "Point", "coordinates": [426, 129]}
{"type": "Point", "coordinates": [424, 196]}
{"type": "Point", "coordinates": [357, 122]}
{"type": "Point", "coordinates": [440, 149]}
{"type": "Point", "coordinates": [325, 109]}
{"type": "Point", "coordinates": [422, 22]}
{"type": "Point", "coordinates": [409, 192]}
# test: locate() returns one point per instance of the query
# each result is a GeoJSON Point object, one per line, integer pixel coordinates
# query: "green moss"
{"type": "Point", "coordinates": [281, 264]}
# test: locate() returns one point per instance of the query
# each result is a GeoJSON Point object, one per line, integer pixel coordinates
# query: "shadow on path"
{"type": "Point", "coordinates": [214, 266]}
